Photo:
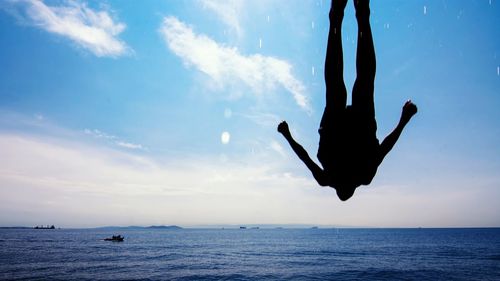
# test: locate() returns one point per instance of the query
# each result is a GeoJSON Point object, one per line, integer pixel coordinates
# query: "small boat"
{"type": "Point", "coordinates": [115, 238]}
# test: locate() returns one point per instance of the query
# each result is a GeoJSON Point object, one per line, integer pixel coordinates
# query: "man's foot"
{"type": "Point", "coordinates": [362, 8]}
{"type": "Point", "coordinates": [337, 9]}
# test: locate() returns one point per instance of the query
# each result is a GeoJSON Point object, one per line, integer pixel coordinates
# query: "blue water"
{"type": "Point", "coordinates": [251, 254]}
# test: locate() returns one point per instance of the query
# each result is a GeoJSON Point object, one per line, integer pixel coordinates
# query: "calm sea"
{"type": "Point", "coordinates": [251, 254]}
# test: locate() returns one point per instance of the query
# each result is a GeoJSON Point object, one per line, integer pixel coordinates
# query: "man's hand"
{"type": "Point", "coordinates": [283, 128]}
{"type": "Point", "coordinates": [409, 109]}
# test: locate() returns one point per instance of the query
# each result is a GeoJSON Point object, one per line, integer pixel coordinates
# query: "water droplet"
{"type": "Point", "coordinates": [312, 24]}
{"type": "Point", "coordinates": [498, 70]}
{"type": "Point", "coordinates": [425, 10]}
{"type": "Point", "coordinates": [312, 70]}
{"type": "Point", "coordinates": [260, 43]}
{"type": "Point", "coordinates": [228, 113]}
{"type": "Point", "coordinates": [225, 137]}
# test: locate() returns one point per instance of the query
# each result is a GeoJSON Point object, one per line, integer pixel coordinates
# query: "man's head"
{"type": "Point", "coordinates": [345, 192]}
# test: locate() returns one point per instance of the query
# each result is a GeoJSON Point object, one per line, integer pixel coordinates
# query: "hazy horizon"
{"type": "Point", "coordinates": [249, 226]}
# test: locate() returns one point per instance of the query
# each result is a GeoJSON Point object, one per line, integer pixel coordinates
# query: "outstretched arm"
{"type": "Point", "coordinates": [409, 109]}
{"type": "Point", "coordinates": [317, 172]}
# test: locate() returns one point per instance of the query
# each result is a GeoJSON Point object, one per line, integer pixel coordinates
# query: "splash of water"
{"type": "Point", "coordinates": [225, 137]}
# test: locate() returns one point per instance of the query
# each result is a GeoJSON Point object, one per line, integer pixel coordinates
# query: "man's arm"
{"type": "Point", "coordinates": [409, 109]}
{"type": "Point", "coordinates": [317, 172]}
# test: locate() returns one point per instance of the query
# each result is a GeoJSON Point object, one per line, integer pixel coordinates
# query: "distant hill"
{"type": "Point", "coordinates": [171, 227]}
{"type": "Point", "coordinates": [15, 227]}
{"type": "Point", "coordinates": [164, 227]}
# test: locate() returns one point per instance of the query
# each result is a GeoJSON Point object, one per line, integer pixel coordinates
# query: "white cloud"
{"type": "Point", "coordinates": [263, 119]}
{"type": "Point", "coordinates": [95, 31]}
{"type": "Point", "coordinates": [278, 148]}
{"type": "Point", "coordinates": [226, 65]}
{"type": "Point", "coordinates": [229, 12]}
{"type": "Point", "coordinates": [129, 145]}
{"type": "Point", "coordinates": [69, 183]}
{"type": "Point", "coordinates": [98, 134]}
{"type": "Point", "coordinates": [53, 176]}
{"type": "Point", "coordinates": [114, 139]}
{"type": "Point", "coordinates": [76, 184]}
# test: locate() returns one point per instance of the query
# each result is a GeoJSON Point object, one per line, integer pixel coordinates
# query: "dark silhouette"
{"type": "Point", "coordinates": [115, 238]}
{"type": "Point", "coordinates": [44, 227]}
{"type": "Point", "coordinates": [349, 150]}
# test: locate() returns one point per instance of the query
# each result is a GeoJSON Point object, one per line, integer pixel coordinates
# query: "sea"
{"type": "Point", "coordinates": [251, 254]}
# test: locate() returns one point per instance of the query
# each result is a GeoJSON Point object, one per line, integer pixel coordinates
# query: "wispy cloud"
{"type": "Point", "coordinates": [98, 186]}
{"type": "Point", "coordinates": [114, 139]}
{"type": "Point", "coordinates": [228, 11]}
{"type": "Point", "coordinates": [93, 30]}
{"type": "Point", "coordinates": [93, 184]}
{"type": "Point", "coordinates": [263, 119]}
{"type": "Point", "coordinates": [42, 177]}
{"type": "Point", "coordinates": [226, 65]}
{"type": "Point", "coordinates": [98, 134]}
{"type": "Point", "coordinates": [129, 145]}
{"type": "Point", "coordinates": [277, 147]}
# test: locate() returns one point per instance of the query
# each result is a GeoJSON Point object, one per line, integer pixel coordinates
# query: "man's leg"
{"type": "Point", "coordinates": [336, 94]}
{"type": "Point", "coordinates": [362, 94]}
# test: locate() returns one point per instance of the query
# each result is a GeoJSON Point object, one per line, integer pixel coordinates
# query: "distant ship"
{"type": "Point", "coordinates": [44, 227]}
{"type": "Point", "coordinates": [115, 238]}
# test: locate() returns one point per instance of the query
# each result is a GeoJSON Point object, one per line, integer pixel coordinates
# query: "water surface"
{"type": "Point", "coordinates": [251, 254]}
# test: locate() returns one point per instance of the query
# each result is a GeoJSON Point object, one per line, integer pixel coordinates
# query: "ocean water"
{"type": "Point", "coordinates": [251, 254]}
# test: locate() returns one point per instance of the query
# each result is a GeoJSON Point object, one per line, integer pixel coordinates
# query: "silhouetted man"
{"type": "Point", "coordinates": [349, 150]}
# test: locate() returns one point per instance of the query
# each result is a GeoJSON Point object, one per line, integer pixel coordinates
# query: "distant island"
{"type": "Point", "coordinates": [27, 227]}
{"type": "Point", "coordinates": [166, 227]}
{"type": "Point", "coordinates": [15, 227]}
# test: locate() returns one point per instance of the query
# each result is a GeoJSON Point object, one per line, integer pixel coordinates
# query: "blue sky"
{"type": "Point", "coordinates": [165, 112]}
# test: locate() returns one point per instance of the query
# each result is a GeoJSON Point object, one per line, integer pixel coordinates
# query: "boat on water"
{"type": "Point", "coordinates": [115, 238]}
{"type": "Point", "coordinates": [44, 227]}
